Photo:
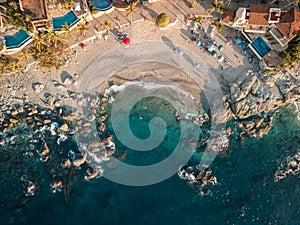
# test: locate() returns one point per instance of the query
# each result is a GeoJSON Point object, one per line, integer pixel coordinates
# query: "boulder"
{"type": "Point", "coordinates": [38, 87]}
{"type": "Point", "coordinates": [64, 128]}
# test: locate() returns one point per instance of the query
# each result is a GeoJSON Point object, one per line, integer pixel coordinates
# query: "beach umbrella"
{"type": "Point", "coordinates": [195, 25]}
{"type": "Point", "coordinates": [214, 53]}
{"type": "Point", "coordinates": [221, 48]}
{"type": "Point", "coordinates": [198, 42]}
{"type": "Point", "coordinates": [83, 46]}
{"type": "Point", "coordinates": [220, 58]}
{"type": "Point", "coordinates": [243, 45]}
{"type": "Point", "coordinates": [125, 36]}
{"type": "Point", "coordinates": [126, 41]}
{"type": "Point", "coordinates": [210, 48]}
{"type": "Point", "coordinates": [214, 41]}
{"type": "Point", "coordinates": [180, 51]}
{"type": "Point", "coordinates": [197, 65]}
{"type": "Point", "coordinates": [238, 41]}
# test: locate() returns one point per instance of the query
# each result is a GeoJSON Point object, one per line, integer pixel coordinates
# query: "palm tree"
{"type": "Point", "coordinates": [218, 25]}
{"type": "Point", "coordinates": [131, 10]}
{"type": "Point", "coordinates": [82, 28]}
{"type": "Point", "coordinates": [217, 6]}
{"type": "Point", "coordinates": [228, 2]}
{"type": "Point", "coordinates": [67, 30]}
{"type": "Point", "coordinates": [107, 25]}
{"type": "Point", "coordinates": [116, 18]}
{"type": "Point", "coordinates": [53, 38]}
{"type": "Point", "coordinates": [24, 56]}
{"type": "Point", "coordinates": [16, 67]}
{"type": "Point", "coordinates": [39, 39]}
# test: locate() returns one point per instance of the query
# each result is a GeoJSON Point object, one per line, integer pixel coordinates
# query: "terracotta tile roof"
{"type": "Point", "coordinates": [259, 15]}
{"type": "Point", "coordinates": [228, 15]}
{"type": "Point", "coordinates": [289, 24]}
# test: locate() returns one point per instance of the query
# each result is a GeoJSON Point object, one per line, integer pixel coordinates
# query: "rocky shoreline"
{"type": "Point", "coordinates": [253, 98]}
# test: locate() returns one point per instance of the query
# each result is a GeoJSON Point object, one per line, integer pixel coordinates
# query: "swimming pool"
{"type": "Point", "coordinates": [16, 40]}
{"type": "Point", "coordinates": [69, 18]}
{"type": "Point", "coordinates": [102, 5]}
{"type": "Point", "coordinates": [261, 46]}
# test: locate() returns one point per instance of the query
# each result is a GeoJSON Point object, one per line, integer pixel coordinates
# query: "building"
{"type": "Point", "coordinates": [37, 9]}
{"type": "Point", "coordinates": [282, 25]}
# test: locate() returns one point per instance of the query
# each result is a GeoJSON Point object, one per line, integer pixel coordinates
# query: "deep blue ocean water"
{"type": "Point", "coordinates": [245, 194]}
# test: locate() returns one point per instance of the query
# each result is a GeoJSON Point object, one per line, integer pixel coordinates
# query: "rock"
{"type": "Point", "coordinates": [79, 162]}
{"type": "Point", "coordinates": [47, 121]}
{"type": "Point", "coordinates": [13, 120]}
{"type": "Point", "coordinates": [249, 95]}
{"type": "Point", "coordinates": [38, 87]}
{"type": "Point", "coordinates": [57, 103]}
{"type": "Point", "coordinates": [66, 163]}
{"type": "Point", "coordinates": [64, 128]}
{"type": "Point", "coordinates": [14, 113]}
{"type": "Point", "coordinates": [68, 81]}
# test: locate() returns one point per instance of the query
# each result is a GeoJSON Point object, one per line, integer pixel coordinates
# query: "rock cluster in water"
{"type": "Point", "coordinates": [290, 166]}
{"type": "Point", "coordinates": [253, 93]}
{"type": "Point", "coordinates": [199, 177]}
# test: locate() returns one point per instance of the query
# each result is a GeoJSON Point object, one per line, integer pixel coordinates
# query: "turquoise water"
{"type": "Point", "coordinates": [16, 40]}
{"type": "Point", "coordinates": [102, 5]}
{"type": "Point", "coordinates": [246, 193]}
{"type": "Point", "coordinates": [69, 18]}
{"type": "Point", "coordinates": [261, 46]}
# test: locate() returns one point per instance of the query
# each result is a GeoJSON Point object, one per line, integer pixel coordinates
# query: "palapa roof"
{"type": "Point", "coordinates": [228, 15]}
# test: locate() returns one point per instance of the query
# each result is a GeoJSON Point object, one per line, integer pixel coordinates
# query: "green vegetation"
{"type": "Point", "coordinates": [47, 49]}
{"type": "Point", "coordinates": [131, 10]}
{"type": "Point", "coordinates": [18, 19]}
{"type": "Point", "coordinates": [82, 28]}
{"type": "Point", "coordinates": [218, 25]}
{"type": "Point", "coordinates": [107, 25]}
{"type": "Point", "coordinates": [162, 20]}
{"type": "Point", "coordinates": [291, 55]}
{"type": "Point", "coordinates": [69, 4]}
{"type": "Point", "coordinates": [193, 3]}
{"type": "Point", "coordinates": [217, 6]}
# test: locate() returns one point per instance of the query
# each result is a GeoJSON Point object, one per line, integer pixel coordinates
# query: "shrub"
{"type": "Point", "coordinates": [162, 20]}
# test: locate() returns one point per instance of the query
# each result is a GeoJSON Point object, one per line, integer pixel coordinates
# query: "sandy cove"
{"type": "Point", "coordinates": [13, 87]}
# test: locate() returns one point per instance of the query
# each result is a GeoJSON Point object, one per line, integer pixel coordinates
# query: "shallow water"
{"type": "Point", "coordinates": [246, 192]}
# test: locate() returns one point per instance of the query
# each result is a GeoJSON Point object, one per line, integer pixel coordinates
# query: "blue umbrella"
{"type": "Point", "coordinates": [210, 48]}
{"type": "Point", "coordinates": [220, 58]}
{"type": "Point", "coordinates": [214, 53]}
{"type": "Point", "coordinates": [238, 41]}
{"type": "Point", "coordinates": [125, 36]}
{"type": "Point", "coordinates": [221, 48]}
{"type": "Point", "coordinates": [214, 41]}
{"type": "Point", "coordinates": [180, 51]}
{"type": "Point", "coordinates": [197, 65]}
{"type": "Point", "coordinates": [198, 42]}
{"type": "Point", "coordinates": [243, 45]}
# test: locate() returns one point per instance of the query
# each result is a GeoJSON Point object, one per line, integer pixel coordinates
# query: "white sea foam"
{"type": "Point", "coordinates": [119, 88]}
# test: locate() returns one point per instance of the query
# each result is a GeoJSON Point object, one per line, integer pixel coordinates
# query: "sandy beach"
{"type": "Point", "coordinates": [18, 87]}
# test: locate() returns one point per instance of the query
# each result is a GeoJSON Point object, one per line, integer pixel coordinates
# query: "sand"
{"type": "Point", "coordinates": [14, 87]}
